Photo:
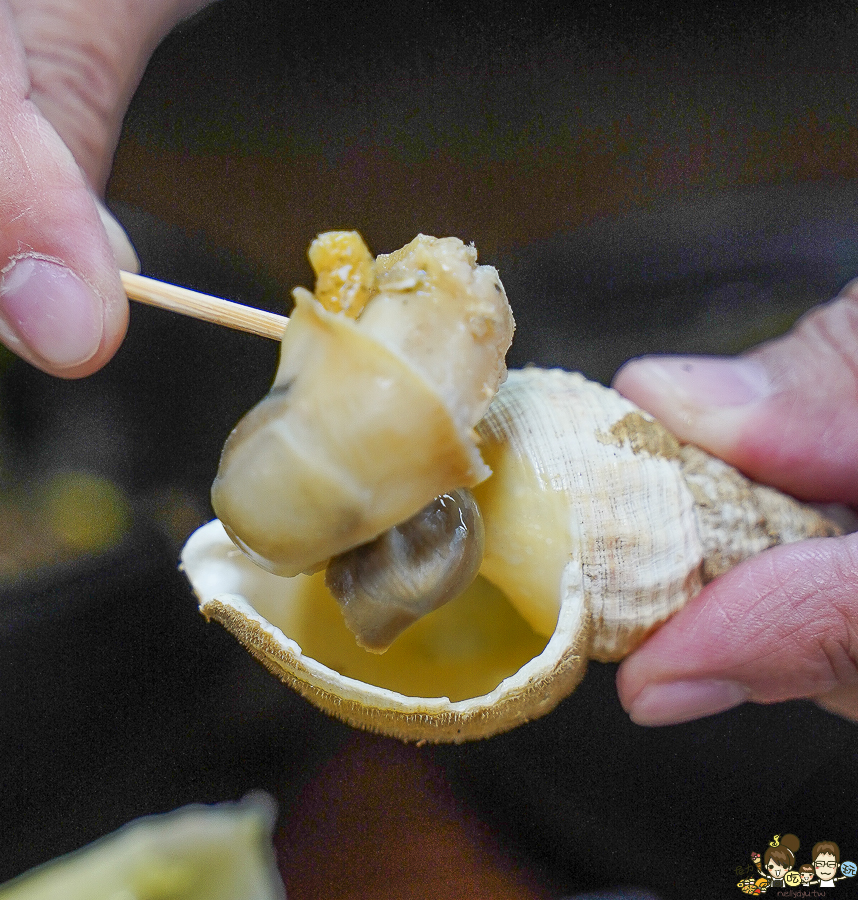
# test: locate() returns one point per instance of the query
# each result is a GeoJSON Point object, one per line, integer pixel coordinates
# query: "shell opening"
{"type": "Point", "coordinates": [463, 650]}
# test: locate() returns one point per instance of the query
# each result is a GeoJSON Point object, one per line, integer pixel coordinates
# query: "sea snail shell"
{"type": "Point", "coordinates": [599, 525]}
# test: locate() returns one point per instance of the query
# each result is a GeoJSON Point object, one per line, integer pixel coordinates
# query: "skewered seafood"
{"type": "Point", "coordinates": [598, 524]}
{"type": "Point", "coordinates": [369, 420]}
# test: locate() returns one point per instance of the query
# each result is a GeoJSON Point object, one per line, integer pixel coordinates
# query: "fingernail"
{"type": "Point", "coordinates": [706, 381]}
{"type": "Point", "coordinates": [49, 310]}
{"type": "Point", "coordinates": [123, 251]}
{"type": "Point", "coordinates": [682, 701]}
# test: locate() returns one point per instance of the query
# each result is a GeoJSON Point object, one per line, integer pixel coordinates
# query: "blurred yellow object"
{"type": "Point", "coordinates": [86, 513]}
{"type": "Point", "coordinates": [220, 852]}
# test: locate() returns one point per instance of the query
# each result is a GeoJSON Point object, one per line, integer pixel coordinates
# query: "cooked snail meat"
{"type": "Point", "coordinates": [370, 419]}
{"type": "Point", "coordinates": [409, 570]}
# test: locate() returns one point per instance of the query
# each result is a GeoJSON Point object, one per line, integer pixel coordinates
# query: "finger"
{"type": "Point", "coordinates": [779, 626]}
{"type": "Point", "coordinates": [786, 413]}
{"type": "Point", "coordinates": [62, 306]}
{"type": "Point", "coordinates": [843, 701]}
{"type": "Point", "coordinates": [85, 60]}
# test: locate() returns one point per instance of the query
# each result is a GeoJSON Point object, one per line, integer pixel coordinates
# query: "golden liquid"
{"type": "Point", "coordinates": [462, 650]}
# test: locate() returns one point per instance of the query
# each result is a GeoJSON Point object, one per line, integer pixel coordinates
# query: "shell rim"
{"type": "Point", "coordinates": [531, 691]}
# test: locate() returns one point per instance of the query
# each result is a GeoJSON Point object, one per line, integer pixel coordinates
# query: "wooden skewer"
{"type": "Point", "coordinates": [202, 306]}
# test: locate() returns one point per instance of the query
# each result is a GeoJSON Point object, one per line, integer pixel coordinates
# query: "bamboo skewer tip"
{"type": "Point", "coordinates": [203, 306]}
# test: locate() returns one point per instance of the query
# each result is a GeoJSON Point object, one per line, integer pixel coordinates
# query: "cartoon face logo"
{"type": "Point", "coordinates": [779, 867]}
{"type": "Point", "coordinates": [806, 873]}
{"type": "Point", "coordinates": [825, 866]}
{"type": "Point", "coordinates": [775, 868]}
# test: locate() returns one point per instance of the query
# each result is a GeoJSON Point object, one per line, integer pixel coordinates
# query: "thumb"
{"type": "Point", "coordinates": [785, 413]}
{"type": "Point", "coordinates": [120, 244]}
{"type": "Point", "coordinates": [62, 306]}
{"type": "Point", "coordinates": [778, 626]}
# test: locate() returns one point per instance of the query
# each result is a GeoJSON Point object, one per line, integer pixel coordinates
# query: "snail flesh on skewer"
{"type": "Point", "coordinates": [383, 375]}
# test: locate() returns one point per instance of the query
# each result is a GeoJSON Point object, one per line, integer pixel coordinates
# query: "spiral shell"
{"type": "Point", "coordinates": [599, 526]}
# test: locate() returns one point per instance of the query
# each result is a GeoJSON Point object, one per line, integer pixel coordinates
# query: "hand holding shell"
{"type": "Point", "coordinates": [599, 525]}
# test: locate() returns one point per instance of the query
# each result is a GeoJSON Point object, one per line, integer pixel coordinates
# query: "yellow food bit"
{"type": "Point", "coordinates": [345, 272]}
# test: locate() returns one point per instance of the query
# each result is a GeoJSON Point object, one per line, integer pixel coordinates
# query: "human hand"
{"type": "Point", "coordinates": [780, 625]}
{"type": "Point", "coordinates": [68, 69]}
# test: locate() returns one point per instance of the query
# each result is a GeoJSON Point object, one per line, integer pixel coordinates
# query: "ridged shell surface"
{"type": "Point", "coordinates": [607, 492]}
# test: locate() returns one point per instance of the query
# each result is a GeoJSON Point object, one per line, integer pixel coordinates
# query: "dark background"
{"type": "Point", "coordinates": [646, 178]}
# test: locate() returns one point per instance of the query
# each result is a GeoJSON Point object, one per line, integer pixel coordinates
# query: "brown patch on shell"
{"type": "Point", "coordinates": [643, 435]}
